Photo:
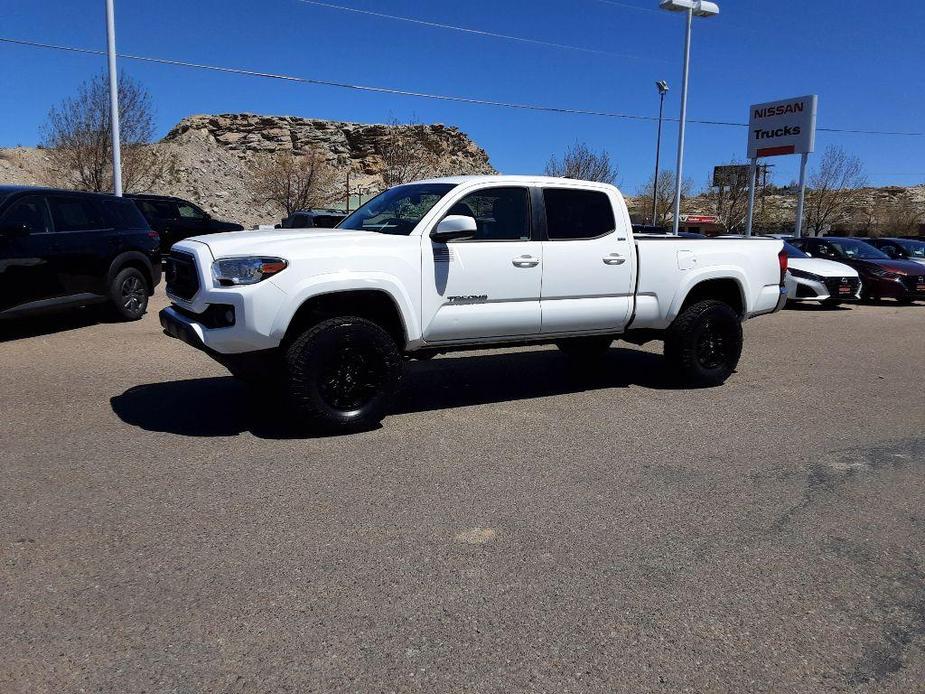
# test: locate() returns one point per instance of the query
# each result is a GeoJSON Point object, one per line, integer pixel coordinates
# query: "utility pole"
{"type": "Point", "coordinates": [114, 99]}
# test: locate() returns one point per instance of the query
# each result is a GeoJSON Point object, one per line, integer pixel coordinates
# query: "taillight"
{"type": "Point", "coordinates": [783, 260]}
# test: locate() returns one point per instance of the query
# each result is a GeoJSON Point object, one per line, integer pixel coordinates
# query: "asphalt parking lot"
{"type": "Point", "coordinates": [516, 525]}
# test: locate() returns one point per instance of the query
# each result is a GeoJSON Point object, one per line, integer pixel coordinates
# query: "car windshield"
{"type": "Point", "coordinates": [793, 251]}
{"type": "Point", "coordinates": [915, 249]}
{"type": "Point", "coordinates": [851, 248]}
{"type": "Point", "coordinates": [398, 210]}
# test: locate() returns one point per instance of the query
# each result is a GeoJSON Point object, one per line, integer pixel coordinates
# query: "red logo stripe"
{"type": "Point", "coordinates": [777, 151]}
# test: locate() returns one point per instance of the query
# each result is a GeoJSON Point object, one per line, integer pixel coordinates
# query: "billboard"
{"type": "Point", "coordinates": [731, 176]}
{"type": "Point", "coordinates": [782, 127]}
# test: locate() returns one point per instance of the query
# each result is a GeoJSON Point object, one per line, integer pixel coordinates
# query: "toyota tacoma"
{"type": "Point", "coordinates": [460, 263]}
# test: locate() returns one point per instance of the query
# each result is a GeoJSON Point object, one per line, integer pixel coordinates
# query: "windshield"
{"type": "Point", "coordinates": [851, 248]}
{"type": "Point", "coordinates": [793, 251]}
{"type": "Point", "coordinates": [915, 249]}
{"type": "Point", "coordinates": [397, 210]}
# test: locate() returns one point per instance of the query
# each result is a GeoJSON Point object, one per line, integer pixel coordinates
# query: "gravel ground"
{"type": "Point", "coordinates": [516, 525]}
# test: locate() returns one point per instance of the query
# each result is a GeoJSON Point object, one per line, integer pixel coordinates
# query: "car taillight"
{"type": "Point", "coordinates": [783, 260]}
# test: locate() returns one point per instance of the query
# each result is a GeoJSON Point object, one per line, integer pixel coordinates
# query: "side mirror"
{"type": "Point", "coordinates": [454, 227]}
{"type": "Point", "coordinates": [808, 254]}
{"type": "Point", "coordinates": [15, 230]}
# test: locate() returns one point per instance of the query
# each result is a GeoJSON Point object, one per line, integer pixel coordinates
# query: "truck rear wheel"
{"type": "Point", "coordinates": [342, 374]}
{"type": "Point", "coordinates": [704, 343]}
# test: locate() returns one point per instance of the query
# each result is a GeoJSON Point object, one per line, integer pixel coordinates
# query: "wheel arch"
{"type": "Point", "coordinates": [727, 287]}
{"type": "Point", "coordinates": [133, 259]}
{"type": "Point", "coordinates": [375, 305]}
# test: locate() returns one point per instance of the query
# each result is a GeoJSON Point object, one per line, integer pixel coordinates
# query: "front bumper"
{"type": "Point", "coordinates": [831, 288]}
{"type": "Point", "coordinates": [905, 288]}
{"type": "Point", "coordinates": [254, 307]}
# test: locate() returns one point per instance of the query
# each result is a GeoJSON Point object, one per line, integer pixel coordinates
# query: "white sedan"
{"type": "Point", "coordinates": [816, 279]}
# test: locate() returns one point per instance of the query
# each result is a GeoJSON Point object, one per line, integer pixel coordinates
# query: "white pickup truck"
{"type": "Point", "coordinates": [461, 263]}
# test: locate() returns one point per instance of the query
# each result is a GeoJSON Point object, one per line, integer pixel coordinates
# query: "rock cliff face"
{"type": "Point", "coordinates": [355, 145]}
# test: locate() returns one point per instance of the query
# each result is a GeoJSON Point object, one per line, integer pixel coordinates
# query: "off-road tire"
{"type": "Point", "coordinates": [585, 347]}
{"type": "Point", "coordinates": [128, 294]}
{"type": "Point", "coordinates": [342, 373]}
{"type": "Point", "coordinates": [704, 343]}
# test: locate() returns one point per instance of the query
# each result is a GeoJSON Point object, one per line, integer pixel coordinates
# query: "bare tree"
{"type": "Point", "coordinates": [580, 163]}
{"type": "Point", "coordinates": [294, 181]}
{"type": "Point", "coordinates": [409, 152]}
{"type": "Point", "coordinates": [835, 190]}
{"type": "Point", "coordinates": [664, 195]}
{"type": "Point", "coordinates": [78, 137]}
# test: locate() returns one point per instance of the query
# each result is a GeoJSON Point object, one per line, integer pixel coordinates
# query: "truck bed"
{"type": "Point", "coordinates": [668, 266]}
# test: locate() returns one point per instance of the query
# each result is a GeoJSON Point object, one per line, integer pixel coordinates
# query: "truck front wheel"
{"type": "Point", "coordinates": [704, 343]}
{"type": "Point", "coordinates": [342, 374]}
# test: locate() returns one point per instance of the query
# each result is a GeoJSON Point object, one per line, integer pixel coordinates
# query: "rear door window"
{"type": "Point", "coordinates": [577, 214]}
{"type": "Point", "coordinates": [75, 214]}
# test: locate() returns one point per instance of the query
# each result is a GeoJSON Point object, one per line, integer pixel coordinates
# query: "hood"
{"type": "Point", "coordinates": [822, 267]}
{"type": "Point", "coordinates": [901, 267]}
{"type": "Point", "coordinates": [276, 242]}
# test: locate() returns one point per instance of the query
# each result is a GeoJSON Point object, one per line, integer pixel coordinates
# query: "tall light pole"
{"type": "Point", "coordinates": [114, 99]}
{"type": "Point", "coordinates": [698, 8]}
{"type": "Point", "coordinates": [662, 87]}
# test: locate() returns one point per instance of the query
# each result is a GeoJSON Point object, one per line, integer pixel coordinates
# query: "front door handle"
{"type": "Point", "coordinates": [525, 261]}
{"type": "Point", "coordinates": [614, 259]}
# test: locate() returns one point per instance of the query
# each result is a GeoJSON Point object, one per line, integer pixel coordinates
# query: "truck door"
{"type": "Point", "coordinates": [487, 286]}
{"type": "Point", "coordinates": [588, 269]}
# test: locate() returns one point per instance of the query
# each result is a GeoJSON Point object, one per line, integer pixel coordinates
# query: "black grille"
{"type": "Point", "coordinates": [834, 285]}
{"type": "Point", "coordinates": [182, 277]}
{"type": "Point", "coordinates": [913, 282]}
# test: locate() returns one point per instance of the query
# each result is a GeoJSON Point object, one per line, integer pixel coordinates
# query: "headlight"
{"type": "Point", "coordinates": [230, 272]}
{"type": "Point", "coordinates": [806, 275]}
{"type": "Point", "coordinates": [884, 274]}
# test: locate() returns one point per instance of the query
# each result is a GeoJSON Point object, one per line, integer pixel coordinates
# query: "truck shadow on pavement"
{"type": "Point", "coordinates": [221, 406]}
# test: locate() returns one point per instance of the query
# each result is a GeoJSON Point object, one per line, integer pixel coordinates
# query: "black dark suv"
{"type": "Point", "coordinates": [62, 248]}
{"type": "Point", "coordinates": [313, 219]}
{"type": "Point", "coordinates": [176, 219]}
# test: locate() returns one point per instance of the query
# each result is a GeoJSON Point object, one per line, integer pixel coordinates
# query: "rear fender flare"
{"type": "Point", "coordinates": [721, 272]}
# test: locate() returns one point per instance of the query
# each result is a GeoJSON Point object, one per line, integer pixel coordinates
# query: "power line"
{"type": "Point", "coordinates": [411, 93]}
{"type": "Point", "coordinates": [627, 6]}
{"type": "Point", "coordinates": [479, 32]}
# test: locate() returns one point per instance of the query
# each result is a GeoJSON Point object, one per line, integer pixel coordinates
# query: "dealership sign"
{"type": "Point", "coordinates": [699, 218]}
{"type": "Point", "coordinates": [782, 127]}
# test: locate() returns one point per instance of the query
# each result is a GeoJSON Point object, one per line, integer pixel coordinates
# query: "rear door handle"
{"type": "Point", "coordinates": [614, 259]}
{"type": "Point", "coordinates": [526, 261]}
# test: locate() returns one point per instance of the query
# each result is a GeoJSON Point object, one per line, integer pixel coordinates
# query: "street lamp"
{"type": "Point", "coordinates": [698, 8]}
{"type": "Point", "coordinates": [662, 87]}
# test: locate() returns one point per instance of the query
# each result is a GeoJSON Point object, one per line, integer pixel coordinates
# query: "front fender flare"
{"type": "Point", "coordinates": [349, 282]}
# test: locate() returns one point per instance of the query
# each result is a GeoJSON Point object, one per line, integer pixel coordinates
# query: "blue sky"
{"type": "Point", "coordinates": [866, 65]}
